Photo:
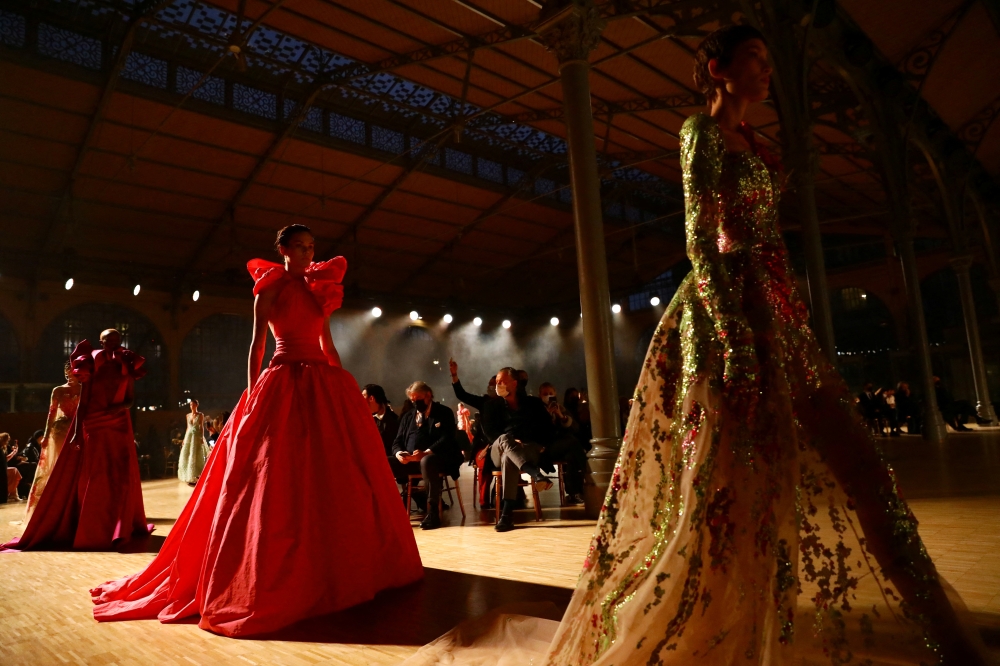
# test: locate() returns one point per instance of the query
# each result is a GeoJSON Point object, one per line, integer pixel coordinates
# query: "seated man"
{"type": "Point", "coordinates": [527, 430]}
{"type": "Point", "coordinates": [425, 445]}
{"type": "Point", "coordinates": [566, 447]}
{"type": "Point", "coordinates": [385, 419]}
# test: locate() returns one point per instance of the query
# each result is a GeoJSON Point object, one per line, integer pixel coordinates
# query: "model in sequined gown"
{"type": "Point", "coordinates": [194, 451]}
{"type": "Point", "coordinates": [751, 518]}
{"type": "Point", "coordinates": [62, 409]}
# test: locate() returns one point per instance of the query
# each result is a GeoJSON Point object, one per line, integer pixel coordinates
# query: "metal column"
{"type": "Point", "coordinates": [984, 408]}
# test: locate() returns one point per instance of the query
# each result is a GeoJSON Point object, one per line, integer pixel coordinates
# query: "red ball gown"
{"type": "Point", "coordinates": [296, 513]}
{"type": "Point", "coordinates": [93, 497]}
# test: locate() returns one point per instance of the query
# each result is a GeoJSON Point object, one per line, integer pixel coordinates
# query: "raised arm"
{"type": "Point", "coordinates": [701, 155]}
{"type": "Point", "coordinates": [476, 401]}
{"type": "Point", "coordinates": [326, 342]}
{"type": "Point", "coordinates": [53, 410]}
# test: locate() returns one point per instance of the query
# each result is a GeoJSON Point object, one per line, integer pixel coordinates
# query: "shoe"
{"type": "Point", "coordinates": [573, 499]}
{"type": "Point", "coordinates": [431, 521]}
{"type": "Point", "coordinates": [961, 428]}
{"type": "Point", "coordinates": [505, 524]}
{"type": "Point", "coordinates": [542, 483]}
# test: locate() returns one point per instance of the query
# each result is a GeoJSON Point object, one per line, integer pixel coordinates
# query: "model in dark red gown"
{"type": "Point", "coordinates": [296, 513]}
{"type": "Point", "coordinates": [93, 497]}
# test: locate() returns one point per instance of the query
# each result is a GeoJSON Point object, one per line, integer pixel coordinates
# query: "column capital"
{"type": "Point", "coordinates": [961, 263]}
{"type": "Point", "coordinates": [570, 28]}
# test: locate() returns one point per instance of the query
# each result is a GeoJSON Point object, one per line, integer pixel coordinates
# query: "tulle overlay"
{"type": "Point", "coordinates": [194, 451]}
{"type": "Point", "coordinates": [296, 513]}
{"type": "Point", "coordinates": [728, 535]}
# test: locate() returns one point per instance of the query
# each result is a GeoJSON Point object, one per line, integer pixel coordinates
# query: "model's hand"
{"type": "Point", "coordinates": [453, 369]}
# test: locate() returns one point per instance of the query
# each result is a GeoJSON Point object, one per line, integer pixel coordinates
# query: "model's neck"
{"type": "Point", "coordinates": [728, 110]}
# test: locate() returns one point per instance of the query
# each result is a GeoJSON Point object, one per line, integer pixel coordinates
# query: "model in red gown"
{"type": "Point", "coordinates": [93, 497]}
{"type": "Point", "coordinates": [296, 513]}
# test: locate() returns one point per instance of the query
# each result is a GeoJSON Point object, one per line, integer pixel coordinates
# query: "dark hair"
{"type": "Point", "coordinates": [35, 435]}
{"type": "Point", "coordinates": [285, 235]}
{"type": "Point", "coordinates": [509, 370]}
{"type": "Point", "coordinates": [720, 46]}
{"type": "Point", "coordinates": [377, 392]}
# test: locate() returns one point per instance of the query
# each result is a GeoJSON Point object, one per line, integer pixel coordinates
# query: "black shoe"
{"type": "Point", "coordinates": [961, 428]}
{"type": "Point", "coordinates": [505, 524]}
{"type": "Point", "coordinates": [573, 499]}
{"type": "Point", "coordinates": [431, 521]}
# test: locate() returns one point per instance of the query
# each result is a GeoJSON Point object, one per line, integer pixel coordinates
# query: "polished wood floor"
{"type": "Point", "coordinates": [45, 608]}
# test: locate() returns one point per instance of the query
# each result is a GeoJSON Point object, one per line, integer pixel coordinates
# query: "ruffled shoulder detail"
{"type": "Point", "coordinates": [264, 273]}
{"type": "Point", "coordinates": [82, 359]}
{"type": "Point", "coordinates": [133, 364]}
{"type": "Point", "coordinates": [324, 281]}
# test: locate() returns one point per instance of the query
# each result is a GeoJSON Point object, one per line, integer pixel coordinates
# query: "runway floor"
{"type": "Point", "coordinates": [45, 615]}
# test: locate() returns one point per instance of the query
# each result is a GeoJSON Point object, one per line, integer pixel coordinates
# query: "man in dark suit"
{"type": "Point", "coordinates": [425, 444]}
{"type": "Point", "coordinates": [385, 419]}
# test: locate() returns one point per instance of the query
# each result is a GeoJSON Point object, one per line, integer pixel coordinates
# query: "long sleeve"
{"type": "Point", "coordinates": [470, 399]}
{"type": "Point", "coordinates": [399, 443]}
{"type": "Point", "coordinates": [701, 155]}
{"type": "Point", "coordinates": [442, 441]}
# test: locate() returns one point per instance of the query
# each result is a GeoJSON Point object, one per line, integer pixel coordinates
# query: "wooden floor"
{"type": "Point", "coordinates": [45, 608]}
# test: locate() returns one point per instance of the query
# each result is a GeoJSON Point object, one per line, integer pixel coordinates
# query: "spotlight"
{"type": "Point", "coordinates": [478, 321]}
{"type": "Point", "coordinates": [196, 295]}
{"type": "Point", "coordinates": [506, 323]}
{"type": "Point", "coordinates": [448, 319]}
{"type": "Point", "coordinates": [69, 284]}
{"type": "Point", "coordinates": [654, 301]}
{"type": "Point", "coordinates": [554, 321]}
{"type": "Point", "coordinates": [376, 312]}
{"type": "Point", "coordinates": [413, 315]}
{"type": "Point", "coordinates": [136, 289]}
{"type": "Point", "coordinates": [616, 308]}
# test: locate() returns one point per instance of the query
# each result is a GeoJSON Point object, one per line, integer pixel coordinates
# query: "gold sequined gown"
{"type": "Point", "coordinates": [62, 409]}
{"type": "Point", "coordinates": [751, 518]}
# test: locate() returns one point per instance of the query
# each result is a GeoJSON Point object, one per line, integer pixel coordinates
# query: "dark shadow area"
{"type": "Point", "coordinates": [419, 613]}
{"type": "Point", "coordinates": [967, 465]}
{"type": "Point", "coordinates": [147, 544]}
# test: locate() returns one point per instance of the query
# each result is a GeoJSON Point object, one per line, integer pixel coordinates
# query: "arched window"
{"type": "Point", "coordinates": [86, 322]}
{"type": "Point", "coordinates": [861, 322]}
{"type": "Point", "coordinates": [214, 360]}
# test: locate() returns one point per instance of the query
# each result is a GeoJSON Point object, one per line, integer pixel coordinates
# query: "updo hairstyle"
{"type": "Point", "coordinates": [720, 46]}
{"type": "Point", "coordinates": [285, 235]}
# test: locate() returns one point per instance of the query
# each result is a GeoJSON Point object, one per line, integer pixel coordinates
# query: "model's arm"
{"type": "Point", "coordinates": [261, 309]}
{"type": "Point", "coordinates": [326, 342]}
{"type": "Point", "coordinates": [701, 155]}
{"type": "Point", "coordinates": [53, 410]}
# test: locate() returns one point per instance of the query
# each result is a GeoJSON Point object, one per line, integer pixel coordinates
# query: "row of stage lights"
{"type": "Point", "coordinates": [478, 321]}
{"type": "Point", "coordinates": [414, 315]}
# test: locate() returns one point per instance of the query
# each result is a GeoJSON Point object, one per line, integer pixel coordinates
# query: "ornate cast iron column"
{"type": "Point", "coordinates": [571, 30]}
{"type": "Point", "coordinates": [984, 408]}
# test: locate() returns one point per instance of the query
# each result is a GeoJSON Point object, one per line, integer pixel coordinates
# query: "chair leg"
{"type": "Point", "coordinates": [475, 487]}
{"type": "Point", "coordinates": [496, 485]}
{"type": "Point", "coordinates": [458, 493]}
{"type": "Point", "coordinates": [562, 484]}
{"type": "Point", "coordinates": [538, 504]}
{"type": "Point", "coordinates": [409, 497]}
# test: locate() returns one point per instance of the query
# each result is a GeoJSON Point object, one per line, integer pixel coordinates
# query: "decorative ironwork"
{"type": "Point", "coordinates": [12, 29]}
{"type": "Point", "coordinates": [456, 160]}
{"type": "Point", "coordinates": [347, 128]}
{"type": "Point", "coordinates": [546, 187]}
{"type": "Point", "coordinates": [145, 69]}
{"type": "Point", "coordinates": [212, 90]}
{"type": "Point", "coordinates": [387, 140]}
{"type": "Point", "coordinates": [255, 101]}
{"type": "Point", "coordinates": [489, 170]}
{"type": "Point", "coordinates": [69, 46]}
{"type": "Point", "coordinates": [514, 176]}
{"type": "Point", "coordinates": [971, 132]}
{"type": "Point", "coordinates": [917, 64]}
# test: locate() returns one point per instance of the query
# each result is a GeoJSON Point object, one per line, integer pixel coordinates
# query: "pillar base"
{"type": "Point", "coordinates": [934, 429]}
{"type": "Point", "coordinates": [985, 411]}
{"type": "Point", "coordinates": [601, 460]}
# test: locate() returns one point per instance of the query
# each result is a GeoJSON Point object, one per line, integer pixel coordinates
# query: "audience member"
{"type": "Point", "coordinates": [527, 430]}
{"type": "Point", "coordinates": [385, 419]}
{"type": "Point", "coordinates": [889, 411]}
{"type": "Point", "coordinates": [954, 412]}
{"type": "Point", "coordinates": [26, 462]}
{"type": "Point", "coordinates": [870, 403]}
{"type": "Point", "coordinates": [565, 447]}
{"type": "Point", "coordinates": [8, 450]}
{"type": "Point", "coordinates": [907, 409]}
{"type": "Point", "coordinates": [425, 445]}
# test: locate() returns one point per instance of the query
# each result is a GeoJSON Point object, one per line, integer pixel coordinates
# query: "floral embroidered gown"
{"type": "Point", "coordinates": [194, 451]}
{"type": "Point", "coordinates": [62, 409]}
{"type": "Point", "coordinates": [728, 535]}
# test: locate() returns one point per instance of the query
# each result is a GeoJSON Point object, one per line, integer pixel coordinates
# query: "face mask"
{"type": "Point", "coordinates": [421, 405]}
{"type": "Point", "coordinates": [501, 390]}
